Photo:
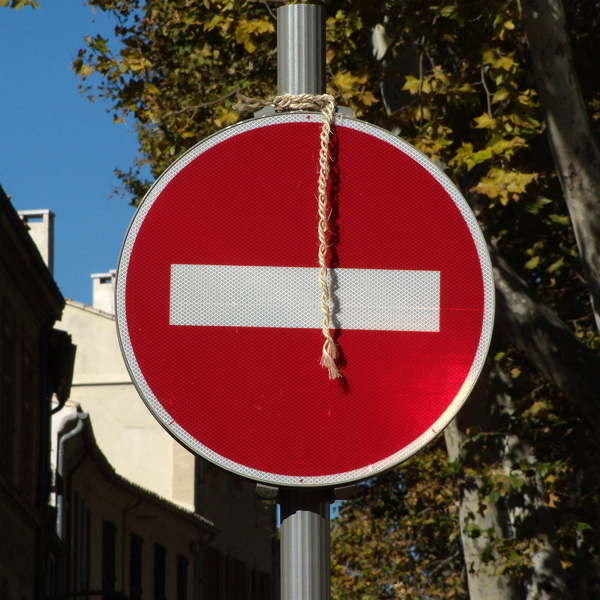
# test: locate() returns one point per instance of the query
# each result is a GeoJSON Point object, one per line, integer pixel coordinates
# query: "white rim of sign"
{"type": "Point", "coordinates": [334, 479]}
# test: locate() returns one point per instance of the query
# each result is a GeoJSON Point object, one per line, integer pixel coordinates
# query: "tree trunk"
{"type": "Point", "coordinates": [556, 352]}
{"type": "Point", "coordinates": [529, 325]}
{"type": "Point", "coordinates": [479, 512]}
{"type": "Point", "coordinates": [490, 408]}
{"type": "Point", "coordinates": [574, 147]}
{"type": "Point", "coordinates": [527, 512]}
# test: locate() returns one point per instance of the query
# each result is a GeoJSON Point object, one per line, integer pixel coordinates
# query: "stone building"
{"type": "Point", "coordinates": [120, 539]}
{"type": "Point", "coordinates": [36, 362]}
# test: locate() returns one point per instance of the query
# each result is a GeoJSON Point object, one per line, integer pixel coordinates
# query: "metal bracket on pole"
{"type": "Point", "coordinates": [267, 492]}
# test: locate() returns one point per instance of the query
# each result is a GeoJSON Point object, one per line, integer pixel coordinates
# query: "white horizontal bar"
{"type": "Point", "coordinates": [368, 299]}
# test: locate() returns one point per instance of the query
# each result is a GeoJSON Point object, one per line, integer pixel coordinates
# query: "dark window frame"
{"type": "Point", "coordinates": [160, 572]}
{"type": "Point", "coordinates": [109, 559]}
{"type": "Point", "coordinates": [136, 561]}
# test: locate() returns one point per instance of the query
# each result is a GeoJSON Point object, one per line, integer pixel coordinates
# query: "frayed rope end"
{"type": "Point", "coordinates": [328, 362]}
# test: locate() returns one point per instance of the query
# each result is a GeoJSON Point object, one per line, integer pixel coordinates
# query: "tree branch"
{"type": "Point", "coordinates": [269, 9]}
{"type": "Point", "coordinates": [199, 106]}
{"type": "Point", "coordinates": [487, 93]}
{"type": "Point", "coordinates": [555, 351]}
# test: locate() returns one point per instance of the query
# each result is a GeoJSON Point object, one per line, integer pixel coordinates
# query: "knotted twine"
{"type": "Point", "coordinates": [324, 103]}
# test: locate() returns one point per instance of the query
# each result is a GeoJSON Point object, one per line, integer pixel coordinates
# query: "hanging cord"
{"type": "Point", "coordinates": [324, 103]}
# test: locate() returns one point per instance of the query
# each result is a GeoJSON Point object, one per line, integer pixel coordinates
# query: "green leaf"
{"type": "Point", "coordinates": [532, 263]}
{"type": "Point", "coordinates": [500, 95]}
{"type": "Point", "coordinates": [555, 266]}
{"type": "Point", "coordinates": [560, 219]}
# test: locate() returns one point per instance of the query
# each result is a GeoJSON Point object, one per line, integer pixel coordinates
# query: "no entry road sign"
{"type": "Point", "coordinates": [218, 301]}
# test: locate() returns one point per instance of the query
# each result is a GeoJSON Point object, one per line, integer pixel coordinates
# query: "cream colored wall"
{"type": "Point", "coordinates": [134, 443]}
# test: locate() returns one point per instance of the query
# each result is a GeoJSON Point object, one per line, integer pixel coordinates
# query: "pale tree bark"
{"type": "Point", "coordinates": [561, 358]}
{"type": "Point", "coordinates": [529, 325]}
{"type": "Point", "coordinates": [406, 60]}
{"type": "Point", "coordinates": [527, 512]}
{"type": "Point", "coordinates": [474, 510]}
{"type": "Point", "coordinates": [490, 408]}
{"type": "Point", "coordinates": [574, 147]}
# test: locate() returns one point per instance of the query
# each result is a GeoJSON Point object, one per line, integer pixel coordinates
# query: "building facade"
{"type": "Point", "coordinates": [120, 539]}
{"type": "Point", "coordinates": [142, 452]}
{"type": "Point", "coordinates": [36, 363]}
{"type": "Point", "coordinates": [157, 524]}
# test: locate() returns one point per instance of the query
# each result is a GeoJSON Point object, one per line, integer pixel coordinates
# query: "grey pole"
{"type": "Point", "coordinates": [301, 49]}
{"type": "Point", "coordinates": [305, 547]}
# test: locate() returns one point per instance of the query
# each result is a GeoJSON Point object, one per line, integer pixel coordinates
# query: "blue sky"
{"type": "Point", "coordinates": [57, 150]}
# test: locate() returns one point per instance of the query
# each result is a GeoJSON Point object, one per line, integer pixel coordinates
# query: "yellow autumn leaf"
{"type": "Point", "coordinates": [347, 81]}
{"type": "Point", "coordinates": [500, 95]}
{"type": "Point", "coordinates": [504, 62]}
{"type": "Point", "coordinates": [485, 122]}
{"type": "Point", "coordinates": [368, 98]}
{"type": "Point", "coordinates": [412, 84]}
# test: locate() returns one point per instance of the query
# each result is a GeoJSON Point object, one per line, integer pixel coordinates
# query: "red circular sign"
{"type": "Point", "coordinates": [218, 302]}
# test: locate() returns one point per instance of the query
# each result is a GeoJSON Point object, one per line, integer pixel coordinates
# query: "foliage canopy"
{"type": "Point", "coordinates": [455, 79]}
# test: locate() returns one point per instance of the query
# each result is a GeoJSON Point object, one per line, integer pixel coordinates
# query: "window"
{"type": "Point", "coordinates": [160, 571]}
{"type": "Point", "coordinates": [265, 586]}
{"type": "Point", "coordinates": [236, 580]}
{"type": "Point", "coordinates": [210, 577]}
{"type": "Point", "coordinates": [240, 579]}
{"type": "Point", "coordinates": [78, 535]}
{"type": "Point", "coordinates": [28, 426]}
{"type": "Point", "coordinates": [135, 567]}
{"type": "Point", "coordinates": [8, 377]}
{"type": "Point", "coordinates": [109, 538]}
{"type": "Point", "coordinates": [182, 577]}
{"type": "Point", "coordinates": [261, 585]}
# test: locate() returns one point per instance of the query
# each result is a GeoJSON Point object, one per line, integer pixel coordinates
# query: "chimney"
{"type": "Point", "coordinates": [104, 291]}
{"type": "Point", "coordinates": [41, 230]}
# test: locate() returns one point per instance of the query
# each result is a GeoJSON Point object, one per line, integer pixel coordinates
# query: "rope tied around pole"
{"type": "Point", "coordinates": [325, 104]}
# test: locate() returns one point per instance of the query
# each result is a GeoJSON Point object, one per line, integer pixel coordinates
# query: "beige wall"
{"type": "Point", "coordinates": [130, 437]}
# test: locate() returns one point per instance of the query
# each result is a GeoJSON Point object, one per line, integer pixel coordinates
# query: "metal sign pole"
{"type": "Point", "coordinates": [305, 546]}
{"type": "Point", "coordinates": [301, 49]}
